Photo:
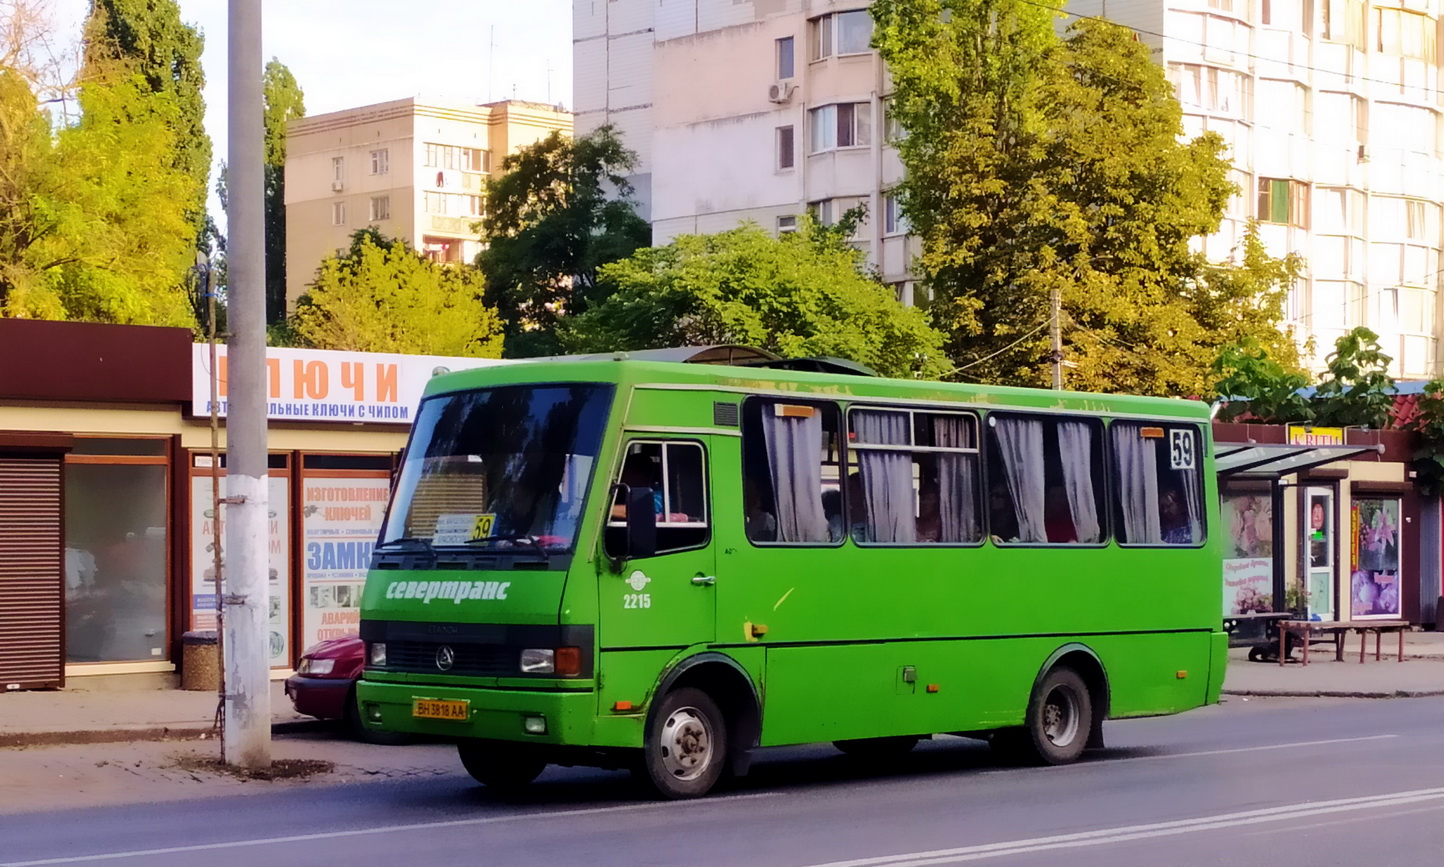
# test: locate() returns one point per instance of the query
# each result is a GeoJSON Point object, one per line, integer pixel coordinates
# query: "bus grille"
{"type": "Point", "coordinates": [469, 659]}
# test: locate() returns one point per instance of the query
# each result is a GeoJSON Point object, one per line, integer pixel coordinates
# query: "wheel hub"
{"type": "Point", "coordinates": [686, 744]}
{"type": "Point", "coordinates": [1060, 717]}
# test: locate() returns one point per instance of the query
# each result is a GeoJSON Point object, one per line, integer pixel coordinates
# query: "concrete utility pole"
{"type": "Point", "coordinates": [1055, 329]}
{"type": "Point", "coordinates": [247, 733]}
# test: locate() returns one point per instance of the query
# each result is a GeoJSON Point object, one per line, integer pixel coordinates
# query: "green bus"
{"type": "Point", "coordinates": [626, 563]}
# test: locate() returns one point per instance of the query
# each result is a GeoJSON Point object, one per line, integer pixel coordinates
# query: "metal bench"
{"type": "Point", "coordinates": [1307, 631]}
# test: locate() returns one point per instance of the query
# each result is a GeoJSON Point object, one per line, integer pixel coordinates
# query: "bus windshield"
{"type": "Point", "coordinates": [504, 467]}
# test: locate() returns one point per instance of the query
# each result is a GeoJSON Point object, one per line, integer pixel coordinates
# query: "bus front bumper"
{"type": "Point", "coordinates": [539, 716]}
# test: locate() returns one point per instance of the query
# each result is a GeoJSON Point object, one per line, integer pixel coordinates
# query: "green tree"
{"type": "Point", "coordinates": [1257, 385]}
{"type": "Point", "coordinates": [284, 102]}
{"type": "Point", "coordinates": [149, 37]}
{"type": "Point", "coordinates": [383, 296]}
{"type": "Point", "coordinates": [1039, 165]}
{"type": "Point", "coordinates": [93, 223]}
{"type": "Point", "coordinates": [1356, 389]}
{"type": "Point", "coordinates": [560, 211]}
{"type": "Point", "coordinates": [802, 294]}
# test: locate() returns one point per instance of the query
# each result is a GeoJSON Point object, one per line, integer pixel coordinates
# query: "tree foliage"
{"type": "Point", "coordinates": [284, 102]}
{"type": "Point", "coordinates": [1356, 389]}
{"type": "Point", "coordinates": [1256, 385]}
{"type": "Point", "coordinates": [1038, 164]}
{"type": "Point", "coordinates": [149, 38]}
{"type": "Point", "coordinates": [383, 296]}
{"type": "Point", "coordinates": [560, 210]}
{"type": "Point", "coordinates": [801, 294]}
{"type": "Point", "coordinates": [92, 216]}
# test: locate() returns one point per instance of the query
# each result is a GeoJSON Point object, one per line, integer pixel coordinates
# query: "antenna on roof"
{"type": "Point", "coordinates": [549, 80]}
{"type": "Point", "coordinates": [490, 58]}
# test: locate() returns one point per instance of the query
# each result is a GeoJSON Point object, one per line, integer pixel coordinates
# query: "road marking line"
{"type": "Point", "coordinates": [362, 832]}
{"type": "Point", "coordinates": [1335, 822]}
{"type": "Point", "coordinates": [1140, 832]}
{"type": "Point", "coordinates": [1242, 750]}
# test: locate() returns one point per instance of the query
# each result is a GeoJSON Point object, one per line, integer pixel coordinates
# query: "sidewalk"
{"type": "Point", "coordinates": [1421, 672]}
{"type": "Point", "coordinates": [78, 715]}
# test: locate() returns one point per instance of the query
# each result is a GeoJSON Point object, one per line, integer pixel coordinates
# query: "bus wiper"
{"type": "Point", "coordinates": [410, 543]}
{"type": "Point", "coordinates": [531, 541]}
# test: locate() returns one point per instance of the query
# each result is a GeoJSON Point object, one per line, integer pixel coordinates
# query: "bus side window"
{"type": "Point", "coordinates": [1158, 474]}
{"type": "Point", "coordinates": [790, 472]}
{"type": "Point", "coordinates": [677, 476]}
{"type": "Point", "coordinates": [915, 477]}
{"type": "Point", "coordinates": [1045, 480]}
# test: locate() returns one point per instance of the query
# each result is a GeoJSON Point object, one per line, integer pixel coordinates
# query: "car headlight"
{"type": "Point", "coordinates": [316, 666]}
{"type": "Point", "coordinates": [377, 653]}
{"type": "Point", "coordinates": [540, 660]}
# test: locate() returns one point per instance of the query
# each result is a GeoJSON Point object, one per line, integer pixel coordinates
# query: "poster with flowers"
{"type": "Point", "coordinates": [1374, 566]}
{"type": "Point", "coordinates": [1248, 565]}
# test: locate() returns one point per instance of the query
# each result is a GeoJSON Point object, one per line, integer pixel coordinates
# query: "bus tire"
{"type": "Point", "coordinates": [686, 745]}
{"type": "Point", "coordinates": [501, 765]}
{"type": "Point", "coordinates": [1060, 717]}
{"type": "Point", "coordinates": [878, 748]}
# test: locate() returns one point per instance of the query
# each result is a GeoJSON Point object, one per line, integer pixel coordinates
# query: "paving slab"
{"type": "Point", "coordinates": [1421, 673]}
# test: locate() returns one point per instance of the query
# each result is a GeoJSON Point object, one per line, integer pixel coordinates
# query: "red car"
{"type": "Point", "coordinates": [324, 685]}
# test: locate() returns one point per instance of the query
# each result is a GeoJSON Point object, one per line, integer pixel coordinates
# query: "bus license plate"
{"type": "Point", "coordinates": [427, 708]}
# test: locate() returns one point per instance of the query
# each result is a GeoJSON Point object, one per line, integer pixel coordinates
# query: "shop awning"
{"type": "Point", "coordinates": [1256, 461]}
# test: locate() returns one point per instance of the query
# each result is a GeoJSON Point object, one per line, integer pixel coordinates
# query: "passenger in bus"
{"type": "Point", "coordinates": [1173, 518]}
{"type": "Point", "coordinates": [859, 528]}
{"type": "Point", "coordinates": [1003, 521]}
{"type": "Point", "coordinates": [930, 518]}
{"type": "Point", "coordinates": [1057, 518]}
{"type": "Point", "coordinates": [761, 524]}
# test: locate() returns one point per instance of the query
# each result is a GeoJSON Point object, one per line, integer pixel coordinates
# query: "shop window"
{"type": "Point", "coordinates": [913, 478]}
{"type": "Point", "coordinates": [676, 474]}
{"type": "Point", "coordinates": [1158, 474]}
{"type": "Point", "coordinates": [117, 538]}
{"type": "Point", "coordinates": [1045, 480]}
{"type": "Point", "coordinates": [346, 462]}
{"type": "Point", "coordinates": [791, 472]}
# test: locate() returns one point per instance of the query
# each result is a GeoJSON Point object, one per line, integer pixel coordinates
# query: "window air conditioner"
{"type": "Point", "coordinates": [780, 92]}
{"type": "Point", "coordinates": [1363, 156]}
{"type": "Point", "coordinates": [337, 186]}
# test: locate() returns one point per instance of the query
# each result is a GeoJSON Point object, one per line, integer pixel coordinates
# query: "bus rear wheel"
{"type": "Point", "coordinates": [1060, 717]}
{"type": "Point", "coordinates": [686, 745]}
{"type": "Point", "coordinates": [501, 765]}
{"type": "Point", "coordinates": [878, 748]}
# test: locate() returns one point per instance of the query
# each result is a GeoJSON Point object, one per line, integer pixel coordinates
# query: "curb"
{"type": "Point", "coordinates": [199, 731]}
{"type": "Point", "coordinates": [1333, 693]}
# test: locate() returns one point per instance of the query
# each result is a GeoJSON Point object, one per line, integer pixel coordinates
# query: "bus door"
{"type": "Point", "coordinates": [667, 600]}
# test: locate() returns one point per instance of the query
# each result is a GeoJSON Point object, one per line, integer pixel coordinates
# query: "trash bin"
{"type": "Point", "coordinates": [200, 661]}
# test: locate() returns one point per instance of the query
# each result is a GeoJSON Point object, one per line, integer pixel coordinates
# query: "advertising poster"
{"type": "Point", "coordinates": [204, 529]}
{"type": "Point", "coordinates": [340, 520]}
{"type": "Point", "coordinates": [1248, 565]}
{"type": "Point", "coordinates": [1374, 570]}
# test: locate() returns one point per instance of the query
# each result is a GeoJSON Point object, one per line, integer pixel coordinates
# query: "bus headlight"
{"type": "Point", "coordinates": [377, 653]}
{"type": "Point", "coordinates": [538, 660]}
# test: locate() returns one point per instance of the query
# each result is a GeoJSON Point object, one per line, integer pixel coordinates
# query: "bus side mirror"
{"type": "Point", "coordinates": [638, 535]}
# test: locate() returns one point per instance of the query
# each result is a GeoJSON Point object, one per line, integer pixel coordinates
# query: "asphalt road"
{"type": "Point", "coordinates": [1277, 782]}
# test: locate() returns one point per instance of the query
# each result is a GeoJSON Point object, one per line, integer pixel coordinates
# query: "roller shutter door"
{"type": "Point", "coordinates": [31, 574]}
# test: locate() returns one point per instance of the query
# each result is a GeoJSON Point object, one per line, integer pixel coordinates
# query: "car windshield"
{"type": "Point", "coordinates": [504, 467]}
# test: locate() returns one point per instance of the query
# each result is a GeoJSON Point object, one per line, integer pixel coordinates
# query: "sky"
{"type": "Point", "coordinates": [348, 53]}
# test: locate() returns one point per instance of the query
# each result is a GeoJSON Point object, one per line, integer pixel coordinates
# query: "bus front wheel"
{"type": "Point", "coordinates": [501, 765]}
{"type": "Point", "coordinates": [1060, 716]}
{"type": "Point", "coordinates": [686, 745]}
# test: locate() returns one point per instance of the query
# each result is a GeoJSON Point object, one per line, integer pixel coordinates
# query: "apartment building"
{"type": "Point", "coordinates": [761, 110]}
{"type": "Point", "coordinates": [413, 169]}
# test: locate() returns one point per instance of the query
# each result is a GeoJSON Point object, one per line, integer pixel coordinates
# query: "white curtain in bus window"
{"type": "Point", "coordinates": [957, 480]}
{"type": "Point", "coordinates": [1075, 448]}
{"type": "Point", "coordinates": [1160, 490]}
{"type": "Point", "coordinates": [1020, 443]}
{"type": "Point", "coordinates": [887, 476]}
{"type": "Point", "coordinates": [793, 436]}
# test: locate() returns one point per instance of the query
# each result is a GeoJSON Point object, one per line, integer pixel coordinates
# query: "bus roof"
{"type": "Point", "coordinates": [622, 370]}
